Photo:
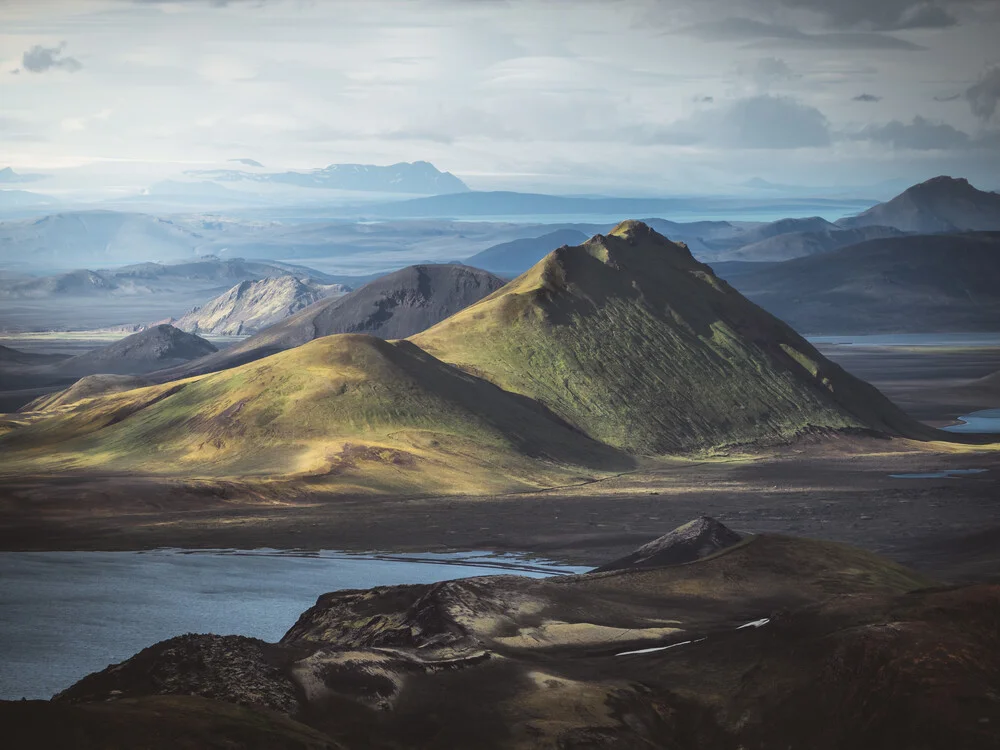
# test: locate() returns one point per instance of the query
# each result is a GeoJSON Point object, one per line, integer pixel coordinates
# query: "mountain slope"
{"type": "Point", "coordinates": [251, 306]}
{"type": "Point", "coordinates": [941, 204]}
{"type": "Point", "coordinates": [392, 306]}
{"type": "Point", "coordinates": [920, 284]}
{"type": "Point", "coordinates": [800, 244]}
{"type": "Point", "coordinates": [355, 410]}
{"type": "Point", "coordinates": [151, 349]}
{"type": "Point", "coordinates": [631, 340]}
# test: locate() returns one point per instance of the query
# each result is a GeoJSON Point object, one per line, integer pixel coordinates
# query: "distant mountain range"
{"type": "Point", "coordinates": [406, 177]}
{"type": "Point", "coordinates": [9, 177]}
{"type": "Point", "coordinates": [152, 278]}
{"type": "Point", "coordinates": [913, 283]}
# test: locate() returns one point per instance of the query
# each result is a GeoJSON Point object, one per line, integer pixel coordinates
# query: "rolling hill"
{"type": "Point", "coordinates": [941, 204]}
{"type": "Point", "coordinates": [251, 306]}
{"type": "Point", "coordinates": [632, 341]}
{"type": "Point", "coordinates": [355, 410]}
{"type": "Point", "coordinates": [920, 284]}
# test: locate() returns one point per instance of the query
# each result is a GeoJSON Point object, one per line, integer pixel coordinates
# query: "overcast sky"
{"type": "Point", "coordinates": [669, 95]}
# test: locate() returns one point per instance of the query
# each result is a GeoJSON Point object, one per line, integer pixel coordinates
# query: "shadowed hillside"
{"type": "Point", "coordinates": [941, 204]}
{"type": "Point", "coordinates": [922, 283]}
{"type": "Point", "coordinates": [630, 339]}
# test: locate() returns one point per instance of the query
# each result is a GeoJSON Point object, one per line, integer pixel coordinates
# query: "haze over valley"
{"type": "Point", "coordinates": [450, 374]}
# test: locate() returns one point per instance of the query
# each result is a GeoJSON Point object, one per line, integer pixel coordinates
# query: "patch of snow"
{"type": "Point", "coordinates": [756, 623]}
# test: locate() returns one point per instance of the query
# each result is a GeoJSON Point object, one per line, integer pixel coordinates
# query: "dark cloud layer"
{"type": "Point", "coordinates": [40, 59]}
{"type": "Point", "coordinates": [867, 98]}
{"type": "Point", "coordinates": [750, 30]}
{"type": "Point", "coordinates": [984, 95]}
{"type": "Point", "coordinates": [881, 15]}
{"type": "Point", "coordinates": [919, 135]}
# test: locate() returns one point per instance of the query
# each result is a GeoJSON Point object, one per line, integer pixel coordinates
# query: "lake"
{"type": "Point", "coordinates": [64, 615]}
{"type": "Point", "coordinates": [980, 422]}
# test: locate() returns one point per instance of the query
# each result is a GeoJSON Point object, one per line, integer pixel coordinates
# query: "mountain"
{"type": "Point", "coordinates": [251, 306]}
{"type": "Point", "coordinates": [150, 349]}
{"type": "Point", "coordinates": [24, 199]}
{"type": "Point", "coordinates": [393, 306]}
{"type": "Point", "coordinates": [508, 203]}
{"type": "Point", "coordinates": [356, 411]}
{"type": "Point", "coordinates": [512, 258]}
{"type": "Point", "coordinates": [776, 642]}
{"type": "Point", "coordinates": [83, 238]}
{"type": "Point", "coordinates": [9, 177]}
{"type": "Point", "coordinates": [417, 177]}
{"type": "Point", "coordinates": [632, 341]}
{"type": "Point", "coordinates": [800, 244]}
{"type": "Point", "coordinates": [918, 283]}
{"type": "Point", "coordinates": [941, 204]}
{"type": "Point", "coordinates": [205, 273]}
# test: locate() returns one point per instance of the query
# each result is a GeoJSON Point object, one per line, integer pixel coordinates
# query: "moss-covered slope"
{"type": "Point", "coordinates": [358, 410]}
{"type": "Point", "coordinates": [631, 340]}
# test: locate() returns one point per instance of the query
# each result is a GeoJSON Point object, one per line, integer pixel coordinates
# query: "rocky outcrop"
{"type": "Point", "coordinates": [692, 541]}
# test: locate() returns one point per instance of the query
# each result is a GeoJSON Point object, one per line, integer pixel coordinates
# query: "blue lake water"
{"type": "Point", "coordinates": [947, 474]}
{"type": "Point", "coordinates": [64, 615]}
{"type": "Point", "coordinates": [911, 339]}
{"type": "Point", "coordinates": [981, 422]}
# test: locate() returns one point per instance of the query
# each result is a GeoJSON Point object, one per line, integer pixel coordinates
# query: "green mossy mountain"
{"type": "Point", "coordinates": [631, 340]}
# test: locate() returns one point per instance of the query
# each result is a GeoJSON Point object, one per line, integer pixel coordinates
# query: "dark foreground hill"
{"type": "Point", "coordinates": [632, 341]}
{"type": "Point", "coordinates": [772, 642]}
{"type": "Point", "coordinates": [393, 306]}
{"type": "Point", "coordinates": [941, 204]}
{"type": "Point", "coordinates": [920, 284]}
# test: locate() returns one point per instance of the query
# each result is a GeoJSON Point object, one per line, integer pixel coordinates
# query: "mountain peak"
{"type": "Point", "coordinates": [687, 543]}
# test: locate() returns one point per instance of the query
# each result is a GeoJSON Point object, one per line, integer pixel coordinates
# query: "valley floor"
{"type": "Point", "coordinates": [842, 491]}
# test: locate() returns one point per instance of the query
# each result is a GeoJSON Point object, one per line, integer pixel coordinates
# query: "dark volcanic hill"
{"type": "Point", "coordinates": [920, 283]}
{"type": "Point", "coordinates": [630, 339]}
{"type": "Point", "coordinates": [942, 204]}
{"type": "Point", "coordinates": [693, 541]}
{"type": "Point", "coordinates": [151, 349]}
{"type": "Point", "coordinates": [775, 642]}
{"type": "Point", "coordinates": [391, 307]}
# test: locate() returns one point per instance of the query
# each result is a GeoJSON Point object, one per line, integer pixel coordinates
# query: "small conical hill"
{"type": "Point", "coordinates": [640, 346]}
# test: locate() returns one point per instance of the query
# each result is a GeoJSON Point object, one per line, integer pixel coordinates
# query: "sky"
{"type": "Point", "coordinates": [616, 96]}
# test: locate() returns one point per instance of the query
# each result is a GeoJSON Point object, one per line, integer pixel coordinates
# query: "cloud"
{"type": "Point", "coordinates": [879, 15]}
{"type": "Point", "coordinates": [40, 59]}
{"type": "Point", "coordinates": [761, 33]}
{"type": "Point", "coordinates": [866, 98]}
{"type": "Point", "coordinates": [919, 135]}
{"type": "Point", "coordinates": [984, 95]}
{"type": "Point", "coordinates": [757, 122]}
